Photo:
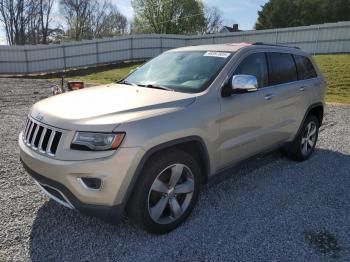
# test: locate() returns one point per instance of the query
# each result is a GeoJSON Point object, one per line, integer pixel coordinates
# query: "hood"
{"type": "Point", "coordinates": [102, 108]}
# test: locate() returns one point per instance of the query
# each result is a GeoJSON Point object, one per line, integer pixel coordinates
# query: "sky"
{"type": "Point", "coordinates": [242, 12]}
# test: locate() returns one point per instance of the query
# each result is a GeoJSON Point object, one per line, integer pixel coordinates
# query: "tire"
{"type": "Point", "coordinates": [302, 147]}
{"type": "Point", "coordinates": [166, 192]}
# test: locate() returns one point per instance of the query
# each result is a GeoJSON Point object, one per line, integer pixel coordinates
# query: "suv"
{"type": "Point", "coordinates": [146, 144]}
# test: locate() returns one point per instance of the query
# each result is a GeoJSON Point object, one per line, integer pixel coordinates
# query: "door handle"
{"type": "Point", "coordinates": [302, 88]}
{"type": "Point", "coordinates": [268, 97]}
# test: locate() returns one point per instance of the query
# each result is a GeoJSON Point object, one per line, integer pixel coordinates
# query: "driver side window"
{"type": "Point", "coordinates": [255, 65]}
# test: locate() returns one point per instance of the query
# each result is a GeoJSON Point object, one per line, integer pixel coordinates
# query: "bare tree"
{"type": "Point", "coordinates": [33, 24]}
{"type": "Point", "coordinates": [45, 8]}
{"type": "Point", "coordinates": [13, 18]}
{"type": "Point", "coordinates": [106, 20]}
{"type": "Point", "coordinates": [87, 19]}
{"type": "Point", "coordinates": [213, 20]}
{"type": "Point", "coordinates": [26, 21]}
{"type": "Point", "coordinates": [78, 15]}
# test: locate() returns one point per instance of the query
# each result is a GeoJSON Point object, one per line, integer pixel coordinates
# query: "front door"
{"type": "Point", "coordinates": [243, 121]}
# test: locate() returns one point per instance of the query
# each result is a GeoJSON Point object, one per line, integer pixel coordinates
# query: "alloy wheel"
{"type": "Point", "coordinates": [170, 194]}
{"type": "Point", "coordinates": [308, 139]}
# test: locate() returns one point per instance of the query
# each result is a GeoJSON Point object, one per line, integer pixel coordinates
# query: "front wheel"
{"type": "Point", "coordinates": [166, 192]}
{"type": "Point", "coordinates": [304, 144]}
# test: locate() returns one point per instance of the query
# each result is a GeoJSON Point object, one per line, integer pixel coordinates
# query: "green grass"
{"type": "Point", "coordinates": [336, 69]}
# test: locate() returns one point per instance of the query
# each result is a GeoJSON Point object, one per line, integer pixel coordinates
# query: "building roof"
{"type": "Point", "coordinates": [229, 29]}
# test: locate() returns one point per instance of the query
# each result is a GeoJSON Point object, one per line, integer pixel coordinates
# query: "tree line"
{"type": "Point", "coordinates": [35, 22]}
{"type": "Point", "coordinates": [283, 13]}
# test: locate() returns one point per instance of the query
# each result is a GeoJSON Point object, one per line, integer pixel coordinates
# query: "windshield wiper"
{"type": "Point", "coordinates": [157, 87]}
{"type": "Point", "coordinates": [124, 82]}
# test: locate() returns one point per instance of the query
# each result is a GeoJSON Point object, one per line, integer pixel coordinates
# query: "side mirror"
{"type": "Point", "coordinates": [241, 84]}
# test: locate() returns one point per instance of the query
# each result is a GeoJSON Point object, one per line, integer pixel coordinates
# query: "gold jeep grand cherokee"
{"type": "Point", "coordinates": [146, 144]}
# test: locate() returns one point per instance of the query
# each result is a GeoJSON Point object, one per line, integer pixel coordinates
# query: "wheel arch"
{"type": "Point", "coordinates": [194, 145]}
{"type": "Point", "coordinates": [316, 109]}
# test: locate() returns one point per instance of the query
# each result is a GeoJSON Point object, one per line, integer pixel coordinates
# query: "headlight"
{"type": "Point", "coordinates": [97, 141]}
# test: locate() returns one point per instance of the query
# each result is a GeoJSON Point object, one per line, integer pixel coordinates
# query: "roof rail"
{"type": "Point", "coordinates": [262, 43]}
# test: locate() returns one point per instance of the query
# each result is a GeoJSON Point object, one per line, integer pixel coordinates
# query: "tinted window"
{"type": "Point", "coordinates": [255, 65]}
{"type": "Point", "coordinates": [305, 68]}
{"type": "Point", "coordinates": [282, 68]}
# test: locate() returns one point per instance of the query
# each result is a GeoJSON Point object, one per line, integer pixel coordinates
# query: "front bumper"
{"type": "Point", "coordinates": [60, 179]}
{"type": "Point", "coordinates": [71, 201]}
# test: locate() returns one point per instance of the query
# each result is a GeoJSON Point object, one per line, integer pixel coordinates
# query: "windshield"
{"type": "Point", "coordinates": [180, 71]}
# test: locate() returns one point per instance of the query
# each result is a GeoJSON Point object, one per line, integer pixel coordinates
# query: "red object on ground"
{"type": "Point", "coordinates": [75, 85]}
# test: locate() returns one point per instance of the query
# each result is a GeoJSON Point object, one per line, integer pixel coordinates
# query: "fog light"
{"type": "Point", "coordinates": [91, 183]}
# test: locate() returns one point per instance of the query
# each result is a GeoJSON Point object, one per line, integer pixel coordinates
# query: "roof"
{"type": "Point", "coordinates": [229, 29]}
{"type": "Point", "coordinates": [218, 47]}
{"type": "Point", "coordinates": [234, 47]}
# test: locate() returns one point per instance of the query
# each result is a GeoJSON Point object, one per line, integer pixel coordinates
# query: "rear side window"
{"type": "Point", "coordinates": [305, 68]}
{"type": "Point", "coordinates": [282, 68]}
{"type": "Point", "coordinates": [254, 65]}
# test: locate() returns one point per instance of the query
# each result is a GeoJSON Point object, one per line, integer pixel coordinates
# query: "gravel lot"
{"type": "Point", "coordinates": [269, 209]}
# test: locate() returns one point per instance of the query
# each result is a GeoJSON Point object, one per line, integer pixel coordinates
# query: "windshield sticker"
{"type": "Point", "coordinates": [217, 54]}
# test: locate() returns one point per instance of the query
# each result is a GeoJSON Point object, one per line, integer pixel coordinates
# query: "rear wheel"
{"type": "Point", "coordinates": [166, 192]}
{"type": "Point", "coordinates": [304, 144]}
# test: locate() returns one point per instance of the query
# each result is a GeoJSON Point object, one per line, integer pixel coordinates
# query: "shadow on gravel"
{"type": "Point", "coordinates": [268, 208]}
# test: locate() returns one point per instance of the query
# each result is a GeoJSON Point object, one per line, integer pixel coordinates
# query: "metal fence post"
{"type": "Point", "coordinates": [317, 39]}
{"type": "Point", "coordinates": [132, 47]}
{"type": "Point", "coordinates": [187, 40]}
{"type": "Point", "coordinates": [276, 36]}
{"type": "Point", "coordinates": [97, 53]}
{"type": "Point", "coordinates": [161, 44]}
{"type": "Point", "coordinates": [27, 62]}
{"type": "Point", "coordinates": [64, 57]}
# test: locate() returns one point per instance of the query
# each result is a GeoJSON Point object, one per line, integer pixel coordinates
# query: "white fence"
{"type": "Point", "coordinates": [318, 39]}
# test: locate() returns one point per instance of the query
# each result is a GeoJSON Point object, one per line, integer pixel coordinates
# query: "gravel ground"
{"type": "Point", "coordinates": [268, 209]}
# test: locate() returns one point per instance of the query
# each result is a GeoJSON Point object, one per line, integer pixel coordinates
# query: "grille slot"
{"type": "Point", "coordinates": [46, 139]}
{"type": "Point", "coordinates": [31, 136]}
{"type": "Point", "coordinates": [55, 141]}
{"type": "Point", "coordinates": [40, 137]}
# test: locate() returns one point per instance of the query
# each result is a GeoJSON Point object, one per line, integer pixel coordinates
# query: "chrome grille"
{"type": "Point", "coordinates": [41, 138]}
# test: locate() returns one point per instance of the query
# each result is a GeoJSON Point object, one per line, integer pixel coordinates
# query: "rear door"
{"type": "Point", "coordinates": [308, 79]}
